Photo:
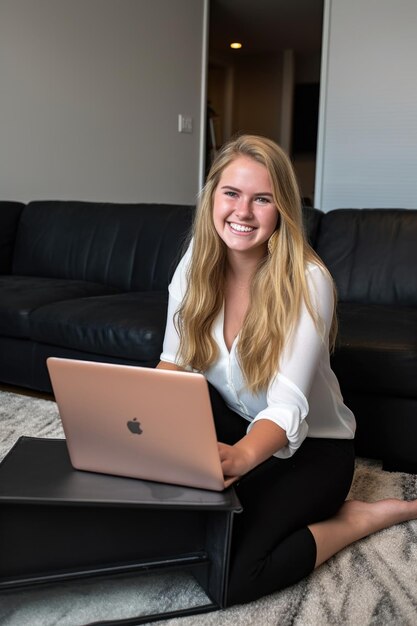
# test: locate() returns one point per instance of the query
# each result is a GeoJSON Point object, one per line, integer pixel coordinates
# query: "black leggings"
{"type": "Point", "coordinates": [272, 547]}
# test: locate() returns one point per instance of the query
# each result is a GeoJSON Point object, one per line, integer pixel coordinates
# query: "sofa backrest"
{"type": "Point", "coordinates": [129, 246]}
{"type": "Point", "coordinates": [371, 254]}
{"type": "Point", "coordinates": [9, 219]}
{"type": "Point", "coordinates": [311, 220]}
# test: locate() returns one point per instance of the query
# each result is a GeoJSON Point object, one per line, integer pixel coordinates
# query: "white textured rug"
{"type": "Point", "coordinates": [373, 582]}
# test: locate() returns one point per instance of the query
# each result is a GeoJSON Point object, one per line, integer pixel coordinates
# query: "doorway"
{"type": "Point", "coordinates": [269, 86]}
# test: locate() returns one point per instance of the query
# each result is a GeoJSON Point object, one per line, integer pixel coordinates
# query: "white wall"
{"type": "Point", "coordinates": [90, 96]}
{"type": "Point", "coordinates": [367, 151]}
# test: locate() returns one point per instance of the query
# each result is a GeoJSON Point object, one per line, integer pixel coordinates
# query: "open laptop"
{"type": "Point", "coordinates": [151, 424]}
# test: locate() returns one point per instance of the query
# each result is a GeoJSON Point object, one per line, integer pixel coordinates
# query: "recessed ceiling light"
{"type": "Point", "coordinates": [236, 45]}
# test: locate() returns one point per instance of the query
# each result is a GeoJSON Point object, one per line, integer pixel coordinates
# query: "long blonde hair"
{"type": "Point", "coordinates": [278, 289]}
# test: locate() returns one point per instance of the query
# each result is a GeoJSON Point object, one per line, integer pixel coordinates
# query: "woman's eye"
{"type": "Point", "coordinates": [262, 200]}
{"type": "Point", "coordinates": [231, 194]}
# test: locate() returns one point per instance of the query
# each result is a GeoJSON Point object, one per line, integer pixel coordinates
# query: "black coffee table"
{"type": "Point", "coordinates": [57, 523]}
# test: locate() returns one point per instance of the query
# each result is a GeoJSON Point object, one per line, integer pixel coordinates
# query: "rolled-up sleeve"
{"type": "Point", "coordinates": [287, 395]}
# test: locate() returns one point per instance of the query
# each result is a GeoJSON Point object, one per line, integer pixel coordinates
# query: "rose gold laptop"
{"type": "Point", "coordinates": [151, 424]}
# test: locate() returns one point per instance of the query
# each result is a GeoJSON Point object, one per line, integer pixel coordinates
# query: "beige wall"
{"type": "Point", "coordinates": [91, 91]}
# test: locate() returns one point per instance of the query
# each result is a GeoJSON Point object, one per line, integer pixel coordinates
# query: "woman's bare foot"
{"type": "Point", "coordinates": [356, 520]}
{"type": "Point", "coordinates": [369, 517]}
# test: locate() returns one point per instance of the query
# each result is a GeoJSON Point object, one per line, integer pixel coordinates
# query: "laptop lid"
{"type": "Point", "coordinates": [145, 423]}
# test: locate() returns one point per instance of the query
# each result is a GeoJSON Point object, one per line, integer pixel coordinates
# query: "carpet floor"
{"type": "Point", "coordinates": [373, 582]}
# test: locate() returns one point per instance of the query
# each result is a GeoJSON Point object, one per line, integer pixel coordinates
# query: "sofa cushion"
{"type": "Point", "coordinates": [22, 295]}
{"type": "Point", "coordinates": [377, 349]}
{"type": "Point", "coordinates": [371, 254]}
{"type": "Point", "coordinates": [9, 219]}
{"type": "Point", "coordinates": [129, 325]}
{"type": "Point", "coordinates": [133, 247]}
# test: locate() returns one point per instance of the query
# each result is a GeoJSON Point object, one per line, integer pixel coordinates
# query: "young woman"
{"type": "Point", "coordinates": [252, 307]}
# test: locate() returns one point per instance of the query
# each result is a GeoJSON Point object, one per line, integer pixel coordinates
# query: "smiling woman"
{"type": "Point", "coordinates": [252, 307]}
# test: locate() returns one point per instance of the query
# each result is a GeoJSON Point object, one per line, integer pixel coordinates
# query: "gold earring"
{"type": "Point", "coordinates": [272, 242]}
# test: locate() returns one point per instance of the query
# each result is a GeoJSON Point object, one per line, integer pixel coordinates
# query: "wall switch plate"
{"type": "Point", "coordinates": [185, 123]}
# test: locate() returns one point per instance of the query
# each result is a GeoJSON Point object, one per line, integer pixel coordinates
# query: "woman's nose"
{"type": "Point", "coordinates": [244, 209]}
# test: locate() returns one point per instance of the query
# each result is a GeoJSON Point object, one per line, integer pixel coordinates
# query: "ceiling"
{"type": "Point", "coordinates": [265, 25]}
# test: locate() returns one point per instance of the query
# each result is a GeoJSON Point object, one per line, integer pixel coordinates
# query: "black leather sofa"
{"type": "Point", "coordinates": [89, 280]}
{"type": "Point", "coordinates": [84, 280]}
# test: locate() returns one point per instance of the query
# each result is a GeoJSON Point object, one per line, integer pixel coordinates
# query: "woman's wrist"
{"type": "Point", "coordinates": [248, 453]}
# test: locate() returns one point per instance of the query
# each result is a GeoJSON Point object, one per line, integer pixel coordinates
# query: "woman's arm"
{"type": "Point", "coordinates": [254, 448]}
{"type": "Point", "coordinates": [264, 438]}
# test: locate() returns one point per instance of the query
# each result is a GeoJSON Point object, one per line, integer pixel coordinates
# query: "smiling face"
{"type": "Point", "coordinates": [244, 212]}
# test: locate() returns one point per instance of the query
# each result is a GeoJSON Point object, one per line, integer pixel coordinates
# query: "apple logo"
{"type": "Point", "coordinates": [134, 426]}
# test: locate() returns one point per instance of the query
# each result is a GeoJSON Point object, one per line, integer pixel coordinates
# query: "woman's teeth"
{"type": "Point", "coordinates": [240, 228]}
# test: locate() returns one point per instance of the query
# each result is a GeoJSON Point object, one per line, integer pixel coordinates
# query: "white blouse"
{"type": "Point", "coordinates": [304, 397]}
